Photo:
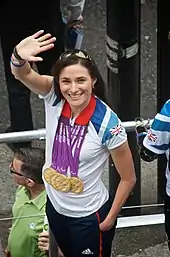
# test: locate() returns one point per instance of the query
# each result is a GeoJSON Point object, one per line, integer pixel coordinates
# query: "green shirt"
{"type": "Point", "coordinates": [23, 237]}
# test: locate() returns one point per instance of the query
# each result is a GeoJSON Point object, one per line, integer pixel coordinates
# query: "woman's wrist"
{"type": "Point", "coordinates": [16, 54]}
{"type": "Point", "coordinates": [112, 215]}
{"type": "Point", "coordinates": [16, 62]}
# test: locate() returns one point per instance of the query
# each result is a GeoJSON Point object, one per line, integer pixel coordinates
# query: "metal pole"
{"type": "Point", "coordinates": [22, 136]}
{"type": "Point", "coordinates": [123, 30]}
{"type": "Point", "coordinates": [163, 79]}
{"type": "Point", "coordinates": [40, 134]}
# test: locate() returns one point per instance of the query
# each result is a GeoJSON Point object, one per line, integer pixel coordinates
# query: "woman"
{"type": "Point", "coordinates": [81, 133]}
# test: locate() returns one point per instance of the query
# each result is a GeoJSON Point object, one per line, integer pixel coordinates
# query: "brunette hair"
{"type": "Point", "coordinates": [72, 57]}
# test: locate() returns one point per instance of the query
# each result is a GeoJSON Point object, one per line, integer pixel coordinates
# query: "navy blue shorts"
{"type": "Point", "coordinates": [78, 237]}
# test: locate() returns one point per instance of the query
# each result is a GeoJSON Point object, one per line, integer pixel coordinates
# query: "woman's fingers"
{"type": "Point", "coordinates": [46, 47]}
{"type": "Point", "coordinates": [44, 37]}
{"type": "Point", "coordinates": [35, 59]}
{"type": "Point", "coordinates": [38, 33]}
{"type": "Point", "coordinates": [47, 42]}
{"type": "Point", "coordinates": [41, 49]}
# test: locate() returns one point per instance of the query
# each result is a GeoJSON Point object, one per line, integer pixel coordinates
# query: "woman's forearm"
{"type": "Point", "coordinates": [122, 158]}
{"type": "Point", "coordinates": [37, 83]}
{"type": "Point", "coordinates": [122, 193]}
{"type": "Point", "coordinates": [20, 71]}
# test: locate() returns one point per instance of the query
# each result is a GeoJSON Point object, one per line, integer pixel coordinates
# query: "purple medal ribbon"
{"type": "Point", "coordinates": [59, 160]}
{"type": "Point", "coordinates": [67, 146]}
{"type": "Point", "coordinates": [74, 150]}
{"type": "Point", "coordinates": [74, 147]}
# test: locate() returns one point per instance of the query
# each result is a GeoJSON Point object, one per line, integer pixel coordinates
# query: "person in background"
{"type": "Point", "coordinates": [155, 142]}
{"type": "Point", "coordinates": [28, 237]}
{"type": "Point", "coordinates": [17, 20]}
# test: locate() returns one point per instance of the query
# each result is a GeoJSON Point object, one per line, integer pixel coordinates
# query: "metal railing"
{"type": "Point", "coordinates": [40, 134]}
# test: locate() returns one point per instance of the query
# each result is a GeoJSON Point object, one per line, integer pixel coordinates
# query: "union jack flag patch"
{"type": "Point", "coordinates": [151, 136]}
{"type": "Point", "coordinates": [116, 130]}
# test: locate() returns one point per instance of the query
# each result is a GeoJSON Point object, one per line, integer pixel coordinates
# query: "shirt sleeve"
{"type": "Point", "coordinates": [158, 137]}
{"type": "Point", "coordinates": [51, 98]}
{"type": "Point", "coordinates": [114, 133]}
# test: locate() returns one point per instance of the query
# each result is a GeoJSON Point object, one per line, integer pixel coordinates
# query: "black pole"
{"type": "Point", "coordinates": [163, 79]}
{"type": "Point", "coordinates": [123, 61]}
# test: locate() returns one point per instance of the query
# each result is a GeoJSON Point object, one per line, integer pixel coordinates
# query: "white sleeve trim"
{"type": "Point", "coordinates": [152, 148]}
{"type": "Point", "coordinates": [118, 144]}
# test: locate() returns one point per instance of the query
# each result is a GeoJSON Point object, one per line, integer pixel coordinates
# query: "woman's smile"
{"type": "Point", "coordinates": [75, 97]}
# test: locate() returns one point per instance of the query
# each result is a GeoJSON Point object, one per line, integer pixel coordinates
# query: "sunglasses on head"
{"type": "Point", "coordinates": [78, 53]}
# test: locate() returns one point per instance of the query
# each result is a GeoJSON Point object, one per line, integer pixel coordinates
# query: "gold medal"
{"type": "Point", "coordinates": [60, 182]}
{"type": "Point", "coordinates": [48, 174]}
{"type": "Point", "coordinates": [76, 185]}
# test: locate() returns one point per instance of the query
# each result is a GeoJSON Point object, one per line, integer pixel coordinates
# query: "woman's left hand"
{"type": "Point", "coordinates": [107, 224]}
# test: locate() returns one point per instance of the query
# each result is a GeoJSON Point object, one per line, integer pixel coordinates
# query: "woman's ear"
{"type": "Point", "coordinates": [94, 82]}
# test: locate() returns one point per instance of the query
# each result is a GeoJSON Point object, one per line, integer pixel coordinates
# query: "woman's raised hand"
{"type": "Point", "coordinates": [29, 47]}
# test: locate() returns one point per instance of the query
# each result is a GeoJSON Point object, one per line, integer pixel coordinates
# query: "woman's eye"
{"type": "Point", "coordinates": [65, 81]}
{"type": "Point", "coordinates": [81, 80]}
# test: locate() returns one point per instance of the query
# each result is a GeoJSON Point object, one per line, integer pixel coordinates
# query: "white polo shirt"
{"type": "Point", "coordinates": [104, 133]}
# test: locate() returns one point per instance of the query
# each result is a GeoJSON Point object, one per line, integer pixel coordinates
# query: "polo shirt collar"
{"type": "Point", "coordinates": [85, 115]}
{"type": "Point", "coordinates": [39, 201]}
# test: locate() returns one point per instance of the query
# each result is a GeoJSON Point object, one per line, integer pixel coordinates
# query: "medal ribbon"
{"type": "Point", "coordinates": [74, 147]}
{"type": "Point", "coordinates": [68, 141]}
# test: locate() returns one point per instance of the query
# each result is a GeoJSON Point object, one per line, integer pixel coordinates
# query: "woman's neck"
{"type": "Point", "coordinates": [75, 111]}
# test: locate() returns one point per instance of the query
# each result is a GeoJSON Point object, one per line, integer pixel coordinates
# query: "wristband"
{"type": "Point", "coordinates": [17, 56]}
{"type": "Point", "coordinates": [17, 63]}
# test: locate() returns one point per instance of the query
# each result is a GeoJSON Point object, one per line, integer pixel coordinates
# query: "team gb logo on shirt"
{"type": "Point", "coordinates": [116, 130]}
{"type": "Point", "coordinates": [151, 136]}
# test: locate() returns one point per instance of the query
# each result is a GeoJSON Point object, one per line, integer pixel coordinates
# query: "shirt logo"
{"type": "Point", "coordinates": [151, 136]}
{"type": "Point", "coordinates": [32, 225]}
{"type": "Point", "coordinates": [87, 252]}
{"type": "Point", "coordinates": [116, 130]}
